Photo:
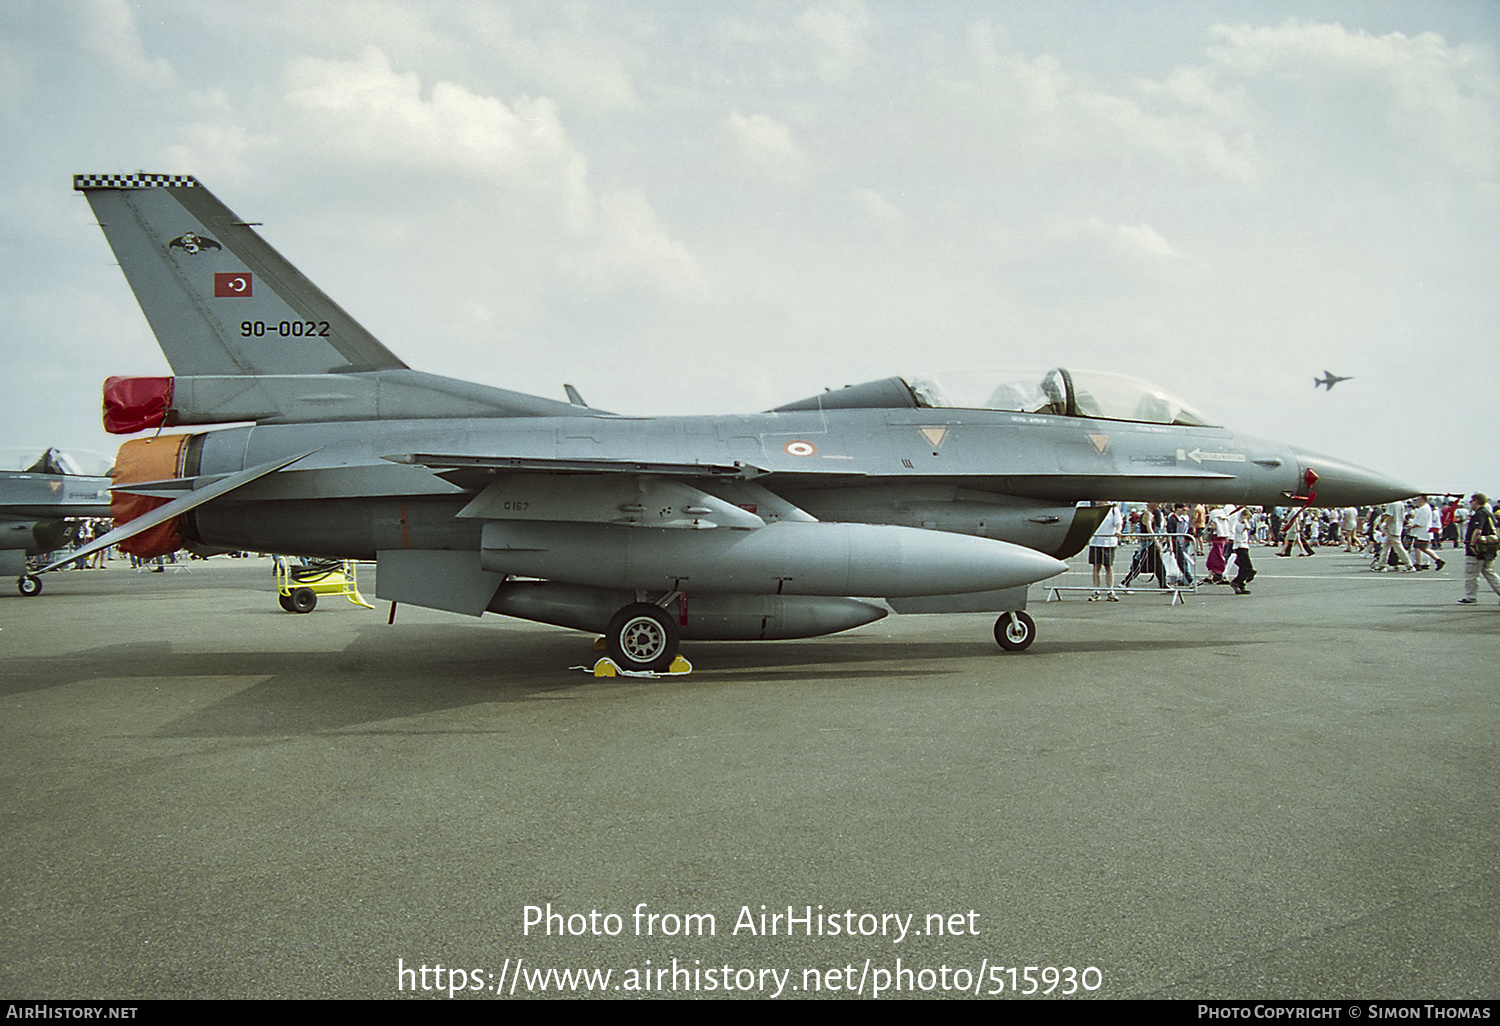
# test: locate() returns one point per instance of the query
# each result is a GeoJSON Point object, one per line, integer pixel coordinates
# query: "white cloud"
{"type": "Point", "coordinates": [1442, 99]}
{"type": "Point", "coordinates": [1041, 113]}
{"type": "Point", "coordinates": [221, 149]}
{"type": "Point", "coordinates": [880, 210]}
{"type": "Point", "coordinates": [581, 69]}
{"type": "Point", "coordinates": [108, 31]}
{"type": "Point", "coordinates": [516, 156]}
{"type": "Point", "coordinates": [838, 34]}
{"type": "Point", "coordinates": [1200, 89]}
{"type": "Point", "coordinates": [632, 251]}
{"type": "Point", "coordinates": [1133, 243]}
{"type": "Point", "coordinates": [768, 144]}
{"type": "Point", "coordinates": [378, 116]}
{"type": "Point", "coordinates": [379, 113]}
{"type": "Point", "coordinates": [1142, 239]}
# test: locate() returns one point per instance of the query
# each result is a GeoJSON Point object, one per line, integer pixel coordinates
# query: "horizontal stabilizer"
{"type": "Point", "coordinates": [175, 508]}
{"type": "Point", "coordinates": [169, 489]}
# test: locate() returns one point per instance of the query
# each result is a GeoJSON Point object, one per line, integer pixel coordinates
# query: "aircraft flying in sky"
{"type": "Point", "coordinates": [1328, 380]}
{"type": "Point", "coordinates": [36, 505]}
{"type": "Point", "coordinates": [785, 524]}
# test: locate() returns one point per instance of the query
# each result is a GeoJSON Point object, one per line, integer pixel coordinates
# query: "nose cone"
{"type": "Point", "coordinates": [1344, 484]}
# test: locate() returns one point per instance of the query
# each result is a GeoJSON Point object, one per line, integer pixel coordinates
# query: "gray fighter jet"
{"type": "Point", "coordinates": [785, 524]}
{"type": "Point", "coordinates": [38, 507]}
{"type": "Point", "coordinates": [1328, 380]}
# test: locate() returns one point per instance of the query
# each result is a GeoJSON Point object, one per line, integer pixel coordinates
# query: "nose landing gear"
{"type": "Point", "coordinates": [1015, 631]}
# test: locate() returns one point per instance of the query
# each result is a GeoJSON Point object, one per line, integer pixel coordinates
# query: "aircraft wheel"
{"type": "Point", "coordinates": [29, 585]}
{"type": "Point", "coordinates": [641, 637]}
{"type": "Point", "coordinates": [1015, 631]}
{"type": "Point", "coordinates": [285, 602]}
{"type": "Point", "coordinates": [303, 600]}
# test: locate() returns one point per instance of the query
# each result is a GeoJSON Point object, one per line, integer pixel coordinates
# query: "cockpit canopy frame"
{"type": "Point", "coordinates": [1058, 392]}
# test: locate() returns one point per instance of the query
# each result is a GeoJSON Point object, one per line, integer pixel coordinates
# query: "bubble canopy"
{"type": "Point", "coordinates": [1057, 392]}
{"type": "Point", "coordinates": [80, 462]}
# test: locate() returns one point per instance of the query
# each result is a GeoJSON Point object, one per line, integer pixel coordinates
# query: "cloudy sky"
{"type": "Point", "coordinates": [703, 207]}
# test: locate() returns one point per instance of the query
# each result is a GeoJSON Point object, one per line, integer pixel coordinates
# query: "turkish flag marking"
{"type": "Point", "coordinates": [232, 283]}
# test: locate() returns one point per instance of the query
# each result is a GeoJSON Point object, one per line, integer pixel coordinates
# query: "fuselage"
{"type": "Point", "coordinates": [982, 472]}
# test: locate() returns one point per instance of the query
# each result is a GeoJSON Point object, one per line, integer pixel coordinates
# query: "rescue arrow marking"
{"type": "Point", "coordinates": [1200, 457]}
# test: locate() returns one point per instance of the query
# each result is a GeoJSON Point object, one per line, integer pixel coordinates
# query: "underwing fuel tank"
{"type": "Point", "coordinates": [698, 617]}
{"type": "Point", "coordinates": [1058, 529]}
{"type": "Point", "coordinates": [784, 558]}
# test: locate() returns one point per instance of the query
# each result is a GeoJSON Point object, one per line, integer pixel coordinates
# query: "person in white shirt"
{"type": "Point", "coordinates": [1102, 552]}
{"type": "Point", "coordinates": [1395, 519]}
{"type": "Point", "coordinates": [1349, 528]}
{"type": "Point", "coordinates": [1242, 535]}
{"type": "Point", "coordinates": [1421, 528]}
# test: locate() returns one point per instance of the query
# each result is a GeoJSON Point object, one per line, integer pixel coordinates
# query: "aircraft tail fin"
{"type": "Point", "coordinates": [221, 301]}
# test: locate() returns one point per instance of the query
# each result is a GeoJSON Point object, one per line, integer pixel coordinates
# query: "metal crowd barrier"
{"type": "Point", "coordinates": [1054, 592]}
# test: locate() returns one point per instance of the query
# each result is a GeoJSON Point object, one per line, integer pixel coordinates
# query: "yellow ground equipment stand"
{"type": "Point", "coordinates": [299, 585]}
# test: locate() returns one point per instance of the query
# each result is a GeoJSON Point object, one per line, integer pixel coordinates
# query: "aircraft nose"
{"type": "Point", "coordinates": [1340, 483]}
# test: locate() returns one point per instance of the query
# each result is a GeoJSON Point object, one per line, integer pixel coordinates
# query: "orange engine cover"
{"type": "Point", "coordinates": [148, 459]}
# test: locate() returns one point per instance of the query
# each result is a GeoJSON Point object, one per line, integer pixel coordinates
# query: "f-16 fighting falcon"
{"type": "Point", "coordinates": [36, 505]}
{"type": "Point", "coordinates": [791, 523]}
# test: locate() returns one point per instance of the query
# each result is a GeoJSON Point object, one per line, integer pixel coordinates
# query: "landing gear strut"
{"type": "Point", "coordinates": [1015, 631]}
{"type": "Point", "coordinates": [641, 637]}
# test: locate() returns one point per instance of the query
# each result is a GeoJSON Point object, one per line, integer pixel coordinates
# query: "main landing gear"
{"type": "Point", "coordinates": [1015, 631]}
{"type": "Point", "coordinates": [642, 637]}
{"type": "Point", "coordinates": [29, 585]}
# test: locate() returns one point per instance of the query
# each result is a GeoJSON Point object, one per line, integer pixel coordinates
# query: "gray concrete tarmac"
{"type": "Point", "coordinates": [1292, 794]}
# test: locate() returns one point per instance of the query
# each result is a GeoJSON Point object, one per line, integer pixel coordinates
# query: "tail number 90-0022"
{"type": "Point", "coordinates": [286, 329]}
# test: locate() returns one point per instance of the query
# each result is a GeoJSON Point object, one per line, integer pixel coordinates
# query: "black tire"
{"type": "Point", "coordinates": [303, 600]}
{"type": "Point", "coordinates": [641, 637]}
{"type": "Point", "coordinates": [1015, 631]}
{"type": "Point", "coordinates": [285, 601]}
{"type": "Point", "coordinates": [29, 585]}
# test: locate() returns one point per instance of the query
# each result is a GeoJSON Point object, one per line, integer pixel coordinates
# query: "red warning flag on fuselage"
{"type": "Point", "coordinates": [228, 284]}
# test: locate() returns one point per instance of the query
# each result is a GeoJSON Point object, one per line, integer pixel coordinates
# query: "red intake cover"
{"type": "Point", "coordinates": [136, 404]}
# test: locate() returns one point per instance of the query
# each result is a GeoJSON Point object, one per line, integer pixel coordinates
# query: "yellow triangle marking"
{"type": "Point", "coordinates": [934, 435]}
{"type": "Point", "coordinates": [1101, 442]}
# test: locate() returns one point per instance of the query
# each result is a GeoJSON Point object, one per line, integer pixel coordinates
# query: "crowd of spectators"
{"type": "Point", "coordinates": [1399, 537]}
